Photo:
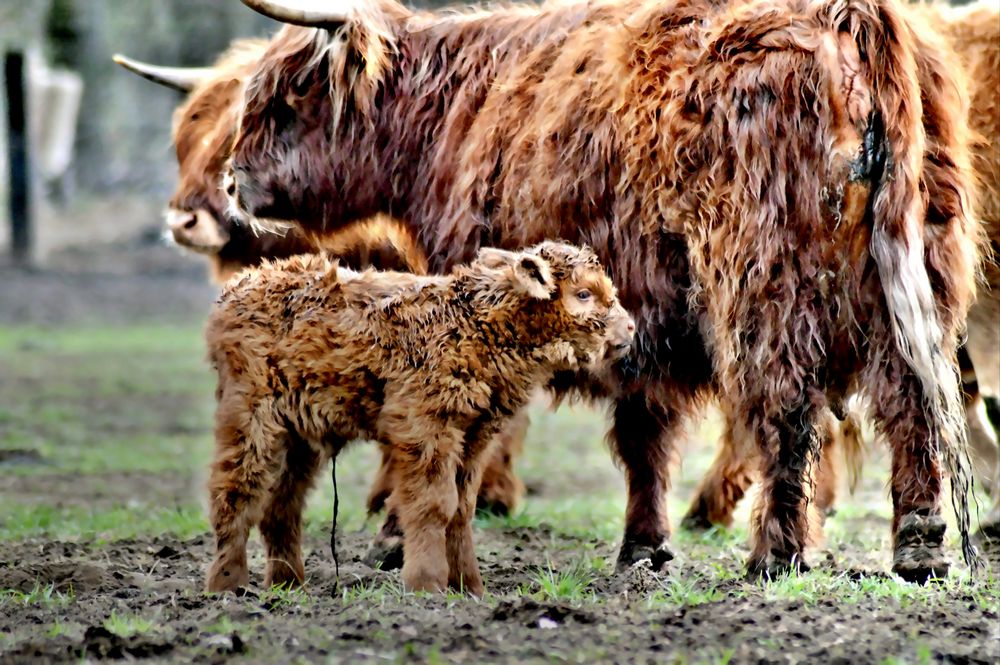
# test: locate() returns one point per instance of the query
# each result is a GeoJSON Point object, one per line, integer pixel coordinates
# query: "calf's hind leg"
{"type": "Point", "coordinates": [426, 500]}
{"type": "Point", "coordinates": [281, 526]}
{"type": "Point", "coordinates": [244, 465]}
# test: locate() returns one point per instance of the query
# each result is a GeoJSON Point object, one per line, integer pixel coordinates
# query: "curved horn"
{"type": "Point", "coordinates": [179, 78]}
{"type": "Point", "coordinates": [310, 13]}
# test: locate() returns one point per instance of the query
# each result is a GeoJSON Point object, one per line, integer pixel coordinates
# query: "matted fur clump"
{"type": "Point", "coordinates": [311, 356]}
{"type": "Point", "coordinates": [782, 200]}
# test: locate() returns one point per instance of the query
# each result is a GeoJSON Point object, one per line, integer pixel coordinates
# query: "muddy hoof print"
{"type": "Point", "coordinates": [385, 555]}
{"type": "Point", "coordinates": [919, 554]}
{"type": "Point", "coordinates": [632, 553]}
{"type": "Point", "coordinates": [774, 567]}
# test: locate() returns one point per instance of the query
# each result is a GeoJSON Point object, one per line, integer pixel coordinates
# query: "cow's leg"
{"type": "Point", "coordinates": [725, 483]}
{"type": "Point", "coordinates": [643, 436]}
{"type": "Point", "coordinates": [246, 457]}
{"type": "Point", "coordinates": [383, 483]}
{"type": "Point", "coordinates": [281, 526]}
{"type": "Point", "coordinates": [917, 526]}
{"type": "Point", "coordinates": [788, 445]}
{"type": "Point", "coordinates": [825, 476]}
{"type": "Point", "coordinates": [386, 550]}
{"type": "Point", "coordinates": [501, 490]}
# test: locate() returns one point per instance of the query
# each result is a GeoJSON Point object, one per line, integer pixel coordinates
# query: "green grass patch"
{"type": "Point", "coordinates": [18, 522]}
{"type": "Point", "coordinates": [45, 596]}
{"type": "Point", "coordinates": [127, 625]}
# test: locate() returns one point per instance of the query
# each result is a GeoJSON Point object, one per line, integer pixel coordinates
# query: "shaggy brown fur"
{"type": "Point", "coordinates": [749, 170]}
{"type": "Point", "coordinates": [199, 221]}
{"type": "Point", "coordinates": [974, 34]}
{"type": "Point", "coordinates": [311, 356]}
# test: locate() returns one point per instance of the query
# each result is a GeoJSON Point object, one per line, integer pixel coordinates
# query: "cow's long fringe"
{"type": "Point", "coordinates": [897, 242]}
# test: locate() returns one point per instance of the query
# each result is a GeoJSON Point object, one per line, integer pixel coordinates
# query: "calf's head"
{"type": "Point", "coordinates": [566, 295]}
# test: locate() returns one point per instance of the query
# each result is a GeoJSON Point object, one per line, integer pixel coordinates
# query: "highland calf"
{"type": "Point", "coordinates": [311, 356]}
{"type": "Point", "coordinates": [753, 172]}
{"type": "Point", "coordinates": [198, 220]}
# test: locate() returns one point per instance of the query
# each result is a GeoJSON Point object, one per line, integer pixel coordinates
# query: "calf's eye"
{"type": "Point", "coordinates": [583, 295]}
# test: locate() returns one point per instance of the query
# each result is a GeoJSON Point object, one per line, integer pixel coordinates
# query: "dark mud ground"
{"type": "Point", "coordinates": [71, 595]}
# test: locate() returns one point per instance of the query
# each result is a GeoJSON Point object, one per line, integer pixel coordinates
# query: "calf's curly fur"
{"type": "Point", "coordinates": [311, 356]}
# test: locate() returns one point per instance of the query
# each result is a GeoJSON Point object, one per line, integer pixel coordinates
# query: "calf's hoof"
{"type": "Point", "coordinates": [633, 551]}
{"type": "Point", "coordinates": [222, 578]}
{"type": "Point", "coordinates": [919, 552]}
{"type": "Point", "coordinates": [282, 574]}
{"type": "Point", "coordinates": [432, 579]}
{"type": "Point", "coordinates": [385, 554]}
{"type": "Point", "coordinates": [472, 585]}
{"type": "Point", "coordinates": [774, 566]}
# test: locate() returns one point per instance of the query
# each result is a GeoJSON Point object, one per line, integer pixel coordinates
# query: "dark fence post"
{"type": "Point", "coordinates": [18, 158]}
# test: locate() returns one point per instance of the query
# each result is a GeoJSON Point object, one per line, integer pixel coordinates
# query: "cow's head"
{"type": "Point", "coordinates": [315, 88]}
{"type": "Point", "coordinates": [203, 129]}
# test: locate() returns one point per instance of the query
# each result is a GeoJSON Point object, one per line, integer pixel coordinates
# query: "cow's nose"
{"type": "Point", "coordinates": [178, 221]}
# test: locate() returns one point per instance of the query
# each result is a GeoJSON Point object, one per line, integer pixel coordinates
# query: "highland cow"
{"type": "Point", "coordinates": [973, 33]}
{"type": "Point", "coordinates": [311, 356]}
{"type": "Point", "coordinates": [197, 218]}
{"type": "Point", "coordinates": [750, 171]}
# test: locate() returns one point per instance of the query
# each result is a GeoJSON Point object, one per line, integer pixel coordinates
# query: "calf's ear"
{"type": "Point", "coordinates": [533, 276]}
{"type": "Point", "coordinates": [495, 259]}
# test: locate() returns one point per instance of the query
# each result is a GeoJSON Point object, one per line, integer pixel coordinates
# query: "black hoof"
{"type": "Point", "coordinates": [385, 554]}
{"type": "Point", "coordinates": [774, 566]}
{"type": "Point", "coordinates": [697, 522]}
{"type": "Point", "coordinates": [988, 535]}
{"type": "Point", "coordinates": [632, 552]}
{"type": "Point", "coordinates": [919, 552]}
{"type": "Point", "coordinates": [492, 508]}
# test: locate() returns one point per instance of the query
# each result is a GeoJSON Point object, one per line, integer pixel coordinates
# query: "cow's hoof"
{"type": "Point", "coordinates": [696, 521]}
{"type": "Point", "coordinates": [385, 554]}
{"type": "Point", "coordinates": [988, 535]}
{"type": "Point", "coordinates": [492, 507]}
{"type": "Point", "coordinates": [919, 553]}
{"type": "Point", "coordinates": [774, 566]}
{"type": "Point", "coordinates": [633, 551]}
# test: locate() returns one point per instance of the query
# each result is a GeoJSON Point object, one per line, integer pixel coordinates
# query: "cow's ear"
{"type": "Point", "coordinates": [533, 276]}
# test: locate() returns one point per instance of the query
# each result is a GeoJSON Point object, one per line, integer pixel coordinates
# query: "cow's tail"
{"type": "Point", "coordinates": [894, 146]}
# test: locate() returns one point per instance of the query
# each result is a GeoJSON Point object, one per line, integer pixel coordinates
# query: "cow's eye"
{"type": "Point", "coordinates": [584, 295]}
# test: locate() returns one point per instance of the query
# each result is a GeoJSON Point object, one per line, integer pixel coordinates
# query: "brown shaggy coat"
{"type": "Point", "coordinates": [311, 356]}
{"type": "Point", "coordinates": [973, 32]}
{"type": "Point", "coordinates": [753, 173]}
